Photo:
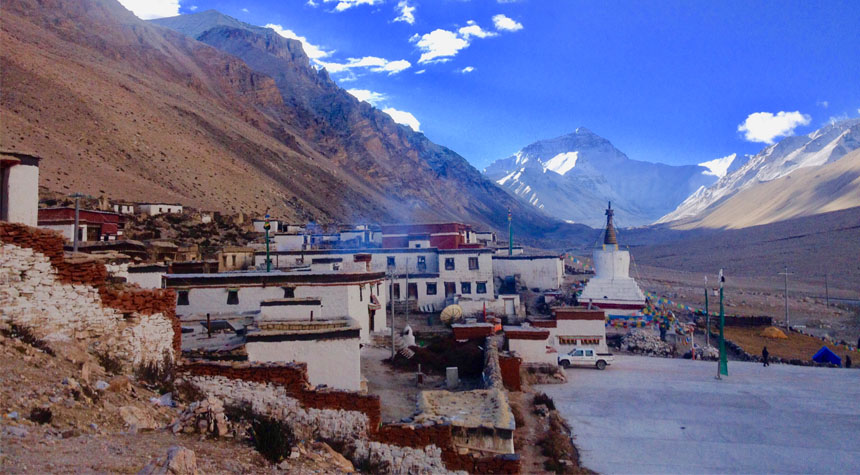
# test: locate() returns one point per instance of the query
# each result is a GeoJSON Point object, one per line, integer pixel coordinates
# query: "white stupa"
{"type": "Point", "coordinates": [612, 289]}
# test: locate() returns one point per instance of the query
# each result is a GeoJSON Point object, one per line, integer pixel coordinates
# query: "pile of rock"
{"type": "Point", "coordinates": [645, 343]}
{"type": "Point", "coordinates": [206, 416]}
{"type": "Point", "coordinates": [708, 353]}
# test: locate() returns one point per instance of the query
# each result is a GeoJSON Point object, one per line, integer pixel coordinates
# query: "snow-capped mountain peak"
{"type": "Point", "coordinates": [718, 167]}
{"type": "Point", "coordinates": [562, 163]}
{"type": "Point", "coordinates": [572, 177]}
{"type": "Point", "coordinates": [826, 145]}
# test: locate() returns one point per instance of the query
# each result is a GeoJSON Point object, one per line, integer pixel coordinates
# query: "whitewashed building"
{"type": "Point", "coordinates": [359, 295]}
{"type": "Point", "coordinates": [123, 208]}
{"type": "Point", "coordinates": [153, 209]}
{"type": "Point", "coordinates": [19, 188]}
{"type": "Point", "coordinates": [532, 344]}
{"type": "Point", "coordinates": [543, 272]}
{"type": "Point", "coordinates": [571, 327]}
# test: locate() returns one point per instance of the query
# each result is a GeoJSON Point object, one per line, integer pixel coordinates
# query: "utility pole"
{"type": "Point", "coordinates": [707, 316]}
{"type": "Point", "coordinates": [786, 274]}
{"type": "Point", "coordinates": [407, 294]}
{"type": "Point", "coordinates": [510, 233]}
{"type": "Point", "coordinates": [826, 291]}
{"type": "Point", "coordinates": [77, 197]}
{"type": "Point", "coordinates": [391, 300]}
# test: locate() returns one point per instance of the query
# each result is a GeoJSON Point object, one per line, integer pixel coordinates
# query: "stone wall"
{"type": "Point", "coordinates": [65, 298]}
{"type": "Point", "coordinates": [282, 390]}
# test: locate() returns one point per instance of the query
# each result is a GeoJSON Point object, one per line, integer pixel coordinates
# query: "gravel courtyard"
{"type": "Point", "coordinates": [654, 415]}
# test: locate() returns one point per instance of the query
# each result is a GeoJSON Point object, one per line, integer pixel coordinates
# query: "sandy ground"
{"type": "Point", "coordinates": [397, 390]}
{"type": "Point", "coordinates": [655, 415]}
{"type": "Point", "coordinates": [807, 305]}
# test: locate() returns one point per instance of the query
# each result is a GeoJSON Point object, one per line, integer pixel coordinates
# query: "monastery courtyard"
{"type": "Point", "coordinates": [655, 415]}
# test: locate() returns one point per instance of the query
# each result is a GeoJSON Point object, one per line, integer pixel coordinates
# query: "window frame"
{"type": "Point", "coordinates": [233, 297]}
{"type": "Point", "coordinates": [431, 285]}
{"type": "Point", "coordinates": [182, 298]}
{"type": "Point", "coordinates": [474, 260]}
{"type": "Point", "coordinates": [450, 264]}
{"type": "Point", "coordinates": [466, 288]}
{"type": "Point", "coordinates": [479, 286]}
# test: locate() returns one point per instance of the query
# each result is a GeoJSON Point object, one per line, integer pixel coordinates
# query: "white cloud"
{"type": "Point", "coordinates": [372, 63]}
{"type": "Point", "coordinates": [150, 9]}
{"type": "Point", "coordinates": [347, 4]}
{"type": "Point", "coordinates": [504, 23]}
{"type": "Point", "coordinates": [421, 71]}
{"type": "Point", "coordinates": [403, 117]}
{"type": "Point", "coordinates": [193, 8]}
{"type": "Point", "coordinates": [718, 167]}
{"type": "Point", "coordinates": [407, 12]}
{"type": "Point", "coordinates": [467, 69]}
{"type": "Point", "coordinates": [314, 52]}
{"type": "Point", "coordinates": [245, 10]}
{"type": "Point", "coordinates": [365, 95]}
{"type": "Point", "coordinates": [765, 126]}
{"type": "Point", "coordinates": [472, 29]}
{"type": "Point", "coordinates": [823, 104]}
{"type": "Point", "coordinates": [439, 45]}
{"type": "Point", "coordinates": [312, 3]}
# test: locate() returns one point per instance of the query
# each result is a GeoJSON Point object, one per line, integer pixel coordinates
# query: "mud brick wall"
{"type": "Point", "coordinates": [50, 244]}
{"type": "Point", "coordinates": [498, 464]}
{"type": "Point", "coordinates": [510, 367]}
{"type": "Point", "coordinates": [146, 302]}
{"type": "Point", "coordinates": [347, 401]}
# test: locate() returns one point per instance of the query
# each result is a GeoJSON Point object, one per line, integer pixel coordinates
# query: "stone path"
{"type": "Point", "coordinates": [654, 415]}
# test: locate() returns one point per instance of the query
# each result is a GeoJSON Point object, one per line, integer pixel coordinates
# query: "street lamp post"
{"type": "Point", "coordinates": [267, 226]}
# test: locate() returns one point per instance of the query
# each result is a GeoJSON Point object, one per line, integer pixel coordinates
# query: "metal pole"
{"type": "Point", "coordinates": [267, 226]}
{"type": "Point", "coordinates": [407, 292]}
{"type": "Point", "coordinates": [707, 316]}
{"type": "Point", "coordinates": [391, 299]}
{"type": "Point", "coordinates": [786, 273]}
{"type": "Point", "coordinates": [510, 233]}
{"type": "Point", "coordinates": [826, 291]}
{"type": "Point", "coordinates": [77, 220]}
{"type": "Point", "coordinates": [723, 366]}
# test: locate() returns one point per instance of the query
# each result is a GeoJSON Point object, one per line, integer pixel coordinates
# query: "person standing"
{"type": "Point", "coordinates": [764, 356]}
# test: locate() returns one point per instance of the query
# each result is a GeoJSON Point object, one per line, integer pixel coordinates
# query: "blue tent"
{"type": "Point", "coordinates": [824, 355]}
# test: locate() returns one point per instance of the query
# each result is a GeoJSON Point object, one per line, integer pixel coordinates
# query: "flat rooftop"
{"type": "Point", "coordinates": [486, 408]}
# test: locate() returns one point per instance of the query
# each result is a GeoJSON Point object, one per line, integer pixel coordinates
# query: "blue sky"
{"type": "Point", "coordinates": [677, 82]}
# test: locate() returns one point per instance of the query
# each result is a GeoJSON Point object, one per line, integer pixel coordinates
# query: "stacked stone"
{"type": "Point", "coordinates": [274, 401]}
{"type": "Point", "coordinates": [394, 459]}
{"type": "Point", "coordinates": [645, 343]}
{"type": "Point", "coordinates": [206, 416]}
{"type": "Point", "coordinates": [32, 296]}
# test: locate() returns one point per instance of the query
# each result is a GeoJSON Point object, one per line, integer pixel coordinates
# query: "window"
{"type": "Point", "coordinates": [589, 352]}
{"type": "Point", "coordinates": [577, 353]}
{"type": "Point", "coordinates": [234, 260]}
{"type": "Point", "coordinates": [431, 288]}
{"type": "Point", "coordinates": [412, 291]}
{"type": "Point", "coordinates": [182, 297]}
{"type": "Point", "coordinates": [473, 263]}
{"type": "Point", "coordinates": [233, 297]}
{"type": "Point", "coordinates": [465, 287]}
{"type": "Point", "coordinates": [289, 292]}
{"type": "Point", "coordinates": [449, 263]}
{"type": "Point", "coordinates": [395, 292]}
{"type": "Point", "coordinates": [390, 260]}
{"type": "Point", "coordinates": [361, 293]}
{"type": "Point", "coordinates": [422, 263]}
{"type": "Point", "coordinates": [450, 289]}
{"type": "Point", "coordinates": [480, 287]}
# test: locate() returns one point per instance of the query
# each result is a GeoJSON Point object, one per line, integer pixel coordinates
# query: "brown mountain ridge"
{"type": "Point", "coordinates": [132, 110]}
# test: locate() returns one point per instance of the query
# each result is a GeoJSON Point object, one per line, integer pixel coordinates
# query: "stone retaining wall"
{"type": "Point", "coordinates": [64, 298]}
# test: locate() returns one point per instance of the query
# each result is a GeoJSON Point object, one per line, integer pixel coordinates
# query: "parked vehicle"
{"type": "Point", "coordinates": [585, 357]}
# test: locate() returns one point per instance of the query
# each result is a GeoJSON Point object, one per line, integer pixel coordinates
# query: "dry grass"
{"type": "Point", "coordinates": [796, 346]}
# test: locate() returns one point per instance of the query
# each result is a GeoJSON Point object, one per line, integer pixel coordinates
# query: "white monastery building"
{"type": "Point", "coordinates": [153, 209]}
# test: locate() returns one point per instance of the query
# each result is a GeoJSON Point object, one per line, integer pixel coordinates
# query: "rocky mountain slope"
{"type": "Point", "coordinates": [736, 200]}
{"type": "Point", "coordinates": [804, 192]}
{"type": "Point", "coordinates": [571, 176]}
{"type": "Point", "coordinates": [121, 107]}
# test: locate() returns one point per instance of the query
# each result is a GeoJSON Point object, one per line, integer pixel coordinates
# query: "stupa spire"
{"type": "Point", "coordinates": [610, 237]}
